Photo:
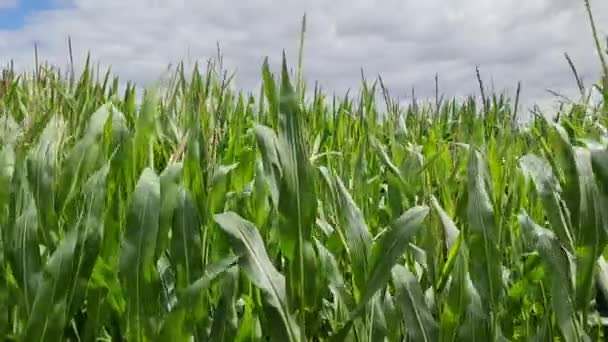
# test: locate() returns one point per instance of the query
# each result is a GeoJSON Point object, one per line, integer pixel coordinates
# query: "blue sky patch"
{"type": "Point", "coordinates": [15, 18]}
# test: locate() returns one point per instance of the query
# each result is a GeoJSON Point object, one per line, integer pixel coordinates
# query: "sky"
{"type": "Point", "coordinates": [405, 41]}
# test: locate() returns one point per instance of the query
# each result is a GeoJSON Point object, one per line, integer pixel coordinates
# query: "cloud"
{"type": "Point", "coordinates": [7, 4]}
{"type": "Point", "coordinates": [407, 42]}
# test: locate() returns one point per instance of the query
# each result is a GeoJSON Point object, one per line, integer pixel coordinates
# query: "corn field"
{"type": "Point", "coordinates": [202, 213]}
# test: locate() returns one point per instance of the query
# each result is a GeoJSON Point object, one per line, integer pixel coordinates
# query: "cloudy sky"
{"type": "Point", "coordinates": [405, 41]}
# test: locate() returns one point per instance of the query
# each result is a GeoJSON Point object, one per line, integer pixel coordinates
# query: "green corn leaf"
{"type": "Point", "coordinates": [136, 266]}
{"type": "Point", "coordinates": [474, 325]}
{"type": "Point", "coordinates": [379, 329]}
{"type": "Point", "coordinates": [453, 238]}
{"type": "Point", "coordinates": [48, 314]}
{"type": "Point", "coordinates": [563, 161]}
{"type": "Point", "coordinates": [548, 189]}
{"type": "Point", "coordinates": [246, 241]}
{"type": "Point", "coordinates": [267, 143]}
{"type": "Point", "coordinates": [169, 189]}
{"type": "Point", "coordinates": [391, 314]}
{"type": "Point", "coordinates": [387, 251]}
{"type": "Point", "coordinates": [260, 205]}
{"type": "Point", "coordinates": [482, 237]}
{"type": "Point", "coordinates": [298, 203]}
{"type": "Point", "coordinates": [559, 271]}
{"type": "Point", "coordinates": [270, 90]}
{"type": "Point", "coordinates": [599, 162]}
{"type": "Point", "coordinates": [191, 295]}
{"type": "Point", "coordinates": [26, 261]}
{"type": "Point", "coordinates": [298, 198]}
{"type": "Point", "coordinates": [91, 230]}
{"type": "Point", "coordinates": [104, 283]}
{"type": "Point", "coordinates": [98, 120]}
{"type": "Point", "coordinates": [186, 243]}
{"type": "Point", "coordinates": [168, 283]}
{"type": "Point", "coordinates": [250, 329]}
{"type": "Point", "coordinates": [41, 169]}
{"type": "Point", "coordinates": [219, 187]}
{"type": "Point", "coordinates": [304, 277]}
{"type": "Point", "coordinates": [9, 130]}
{"type": "Point", "coordinates": [173, 327]}
{"type": "Point", "coordinates": [419, 322]}
{"type": "Point", "coordinates": [196, 167]}
{"type": "Point", "coordinates": [591, 235]}
{"type": "Point", "coordinates": [82, 160]}
{"type": "Point", "coordinates": [97, 310]}
{"type": "Point", "coordinates": [395, 195]}
{"type": "Point", "coordinates": [457, 295]}
{"type": "Point", "coordinates": [358, 237]}
{"type": "Point", "coordinates": [451, 232]}
{"type": "Point", "coordinates": [334, 277]}
{"type": "Point", "coordinates": [386, 160]}
{"type": "Point", "coordinates": [225, 321]}
{"type": "Point", "coordinates": [7, 170]}
{"type": "Point", "coordinates": [144, 129]}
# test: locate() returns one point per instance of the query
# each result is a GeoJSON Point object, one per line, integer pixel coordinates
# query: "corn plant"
{"type": "Point", "coordinates": [201, 213]}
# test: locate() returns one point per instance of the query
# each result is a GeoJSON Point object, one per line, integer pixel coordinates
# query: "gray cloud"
{"type": "Point", "coordinates": [5, 4]}
{"type": "Point", "coordinates": [407, 42]}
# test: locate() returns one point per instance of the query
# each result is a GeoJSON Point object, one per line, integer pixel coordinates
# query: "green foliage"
{"type": "Point", "coordinates": [206, 214]}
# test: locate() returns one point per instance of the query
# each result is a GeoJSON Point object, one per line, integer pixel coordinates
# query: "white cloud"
{"type": "Point", "coordinates": [406, 42]}
{"type": "Point", "coordinates": [6, 4]}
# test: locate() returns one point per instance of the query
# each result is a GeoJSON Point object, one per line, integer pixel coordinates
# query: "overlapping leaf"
{"type": "Point", "coordinates": [137, 272]}
{"type": "Point", "coordinates": [247, 243]}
